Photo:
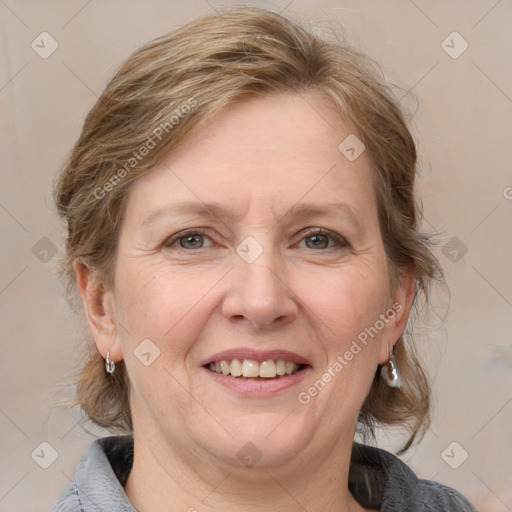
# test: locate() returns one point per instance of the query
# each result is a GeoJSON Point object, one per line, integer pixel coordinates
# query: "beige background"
{"type": "Point", "coordinates": [463, 128]}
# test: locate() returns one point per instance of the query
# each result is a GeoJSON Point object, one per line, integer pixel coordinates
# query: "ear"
{"type": "Point", "coordinates": [99, 309]}
{"type": "Point", "coordinates": [399, 311]}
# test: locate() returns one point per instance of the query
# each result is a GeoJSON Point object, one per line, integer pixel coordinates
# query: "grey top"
{"type": "Point", "coordinates": [377, 479]}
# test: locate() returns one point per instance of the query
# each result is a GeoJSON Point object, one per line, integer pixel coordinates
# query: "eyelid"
{"type": "Point", "coordinates": [340, 240]}
{"type": "Point", "coordinates": [171, 240]}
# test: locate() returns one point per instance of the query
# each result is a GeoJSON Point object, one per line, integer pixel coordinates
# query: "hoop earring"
{"type": "Point", "coordinates": [110, 366]}
{"type": "Point", "coordinates": [390, 373]}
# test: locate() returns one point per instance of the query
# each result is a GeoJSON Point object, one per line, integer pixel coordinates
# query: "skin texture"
{"type": "Point", "coordinates": [259, 158]}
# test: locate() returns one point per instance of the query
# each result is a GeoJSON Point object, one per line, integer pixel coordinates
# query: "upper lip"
{"type": "Point", "coordinates": [255, 355]}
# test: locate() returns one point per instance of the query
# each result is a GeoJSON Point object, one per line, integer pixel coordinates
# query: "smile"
{"type": "Point", "coordinates": [250, 368]}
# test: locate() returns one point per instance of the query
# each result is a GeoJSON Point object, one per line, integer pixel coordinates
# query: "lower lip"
{"type": "Point", "coordinates": [258, 388]}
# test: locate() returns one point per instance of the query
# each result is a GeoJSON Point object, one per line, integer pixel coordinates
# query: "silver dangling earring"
{"type": "Point", "coordinates": [390, 373]}
{"type": "Point", "coordinates": [110, 366]}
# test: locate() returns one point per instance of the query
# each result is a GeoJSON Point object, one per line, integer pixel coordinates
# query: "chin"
{"type": "Point", "coordinates": [260, 441]}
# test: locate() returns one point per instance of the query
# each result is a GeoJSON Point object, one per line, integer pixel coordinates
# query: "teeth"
{"type": "Point", "coordinates": [248, 368]}
{"type": "Point", "coordinates": [289, 367]}
{"type": "Point", "coordinates": [224, 366]}
{"type": "Point", "coordinates": [268, 369]}
{"type": "Point", "coordinates": [236, 368]}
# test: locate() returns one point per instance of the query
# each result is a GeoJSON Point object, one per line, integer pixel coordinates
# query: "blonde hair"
{"type": "Point", "coordinates": [169, 88]}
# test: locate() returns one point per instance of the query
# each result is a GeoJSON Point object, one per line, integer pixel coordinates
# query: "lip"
{"type": "Point", "coordinates": [264, 388]}
{"type": "Point", "coordinates": [255, 355]}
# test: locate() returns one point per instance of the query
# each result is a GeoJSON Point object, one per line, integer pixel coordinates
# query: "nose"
{"type": "Point", "coordinates": [260, 295]}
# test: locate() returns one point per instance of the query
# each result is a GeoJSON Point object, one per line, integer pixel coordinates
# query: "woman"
{"type": "Point", "coordinates": [242, 232]}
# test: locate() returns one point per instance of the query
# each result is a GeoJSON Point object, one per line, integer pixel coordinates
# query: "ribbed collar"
{"type": "Point", "coordinates": [377, 479]}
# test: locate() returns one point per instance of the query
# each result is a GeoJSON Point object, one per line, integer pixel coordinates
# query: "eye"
{"type": "Point", "coordinates": [192, 239]}
{"type": "Point", "coordinates": [319, 238]}
{"type": "Point", "coordinates": [315, 238]}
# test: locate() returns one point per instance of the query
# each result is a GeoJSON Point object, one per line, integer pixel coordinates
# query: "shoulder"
{"type": "Point", "coordinates": [99, 478]}
{"type": "Point", "coordinates": [433, 497]}
{"type": "Point", "coordinates": [68, 501]}
{"type": "Point", "coordinates": [379, 479]}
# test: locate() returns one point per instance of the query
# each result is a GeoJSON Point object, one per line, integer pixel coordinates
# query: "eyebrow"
{"type": "Point", "coordinates": [231, 214]}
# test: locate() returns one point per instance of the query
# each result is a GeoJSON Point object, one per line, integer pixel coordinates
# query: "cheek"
{"type": "Point", "coordinates": [349, 307]}
{"type": "Point", "coordinates": [169, 309]}
{"type": "Point", "coordinates": [349, 301]}
{"type": "Point", "coordinates": [162, 305]}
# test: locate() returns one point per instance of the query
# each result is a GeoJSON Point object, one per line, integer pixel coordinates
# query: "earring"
{"type": "Point", "coordinates": [109, 365]}
{"type": "Point", "coordinates": [390, 373]}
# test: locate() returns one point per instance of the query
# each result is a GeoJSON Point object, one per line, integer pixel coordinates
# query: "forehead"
{"type": "Point", "coordinates": [274, 151]}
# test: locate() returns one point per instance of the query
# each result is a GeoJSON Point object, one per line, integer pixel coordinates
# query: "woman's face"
{"type": "Point", "coordinates": [258, 240]}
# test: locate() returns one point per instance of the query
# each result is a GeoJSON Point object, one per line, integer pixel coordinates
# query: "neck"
{"type": "Point", "coordinates": [162, 479]}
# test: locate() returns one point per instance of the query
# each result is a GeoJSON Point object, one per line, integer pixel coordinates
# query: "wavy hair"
{"type": "Point", "coordinates": [168, 89]}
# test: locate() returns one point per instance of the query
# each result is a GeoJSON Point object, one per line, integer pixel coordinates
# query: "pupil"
{"type": "Point", "coordinates": [318, 241]}
{"type": "Point", "coordinates": [191, 241]}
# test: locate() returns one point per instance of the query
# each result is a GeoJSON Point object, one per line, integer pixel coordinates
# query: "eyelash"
{"type": "Point", "coordinates": [338, 239]}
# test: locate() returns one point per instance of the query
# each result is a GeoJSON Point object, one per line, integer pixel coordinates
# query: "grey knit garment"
{"type": "Point", "coordinates": [377, 479]}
